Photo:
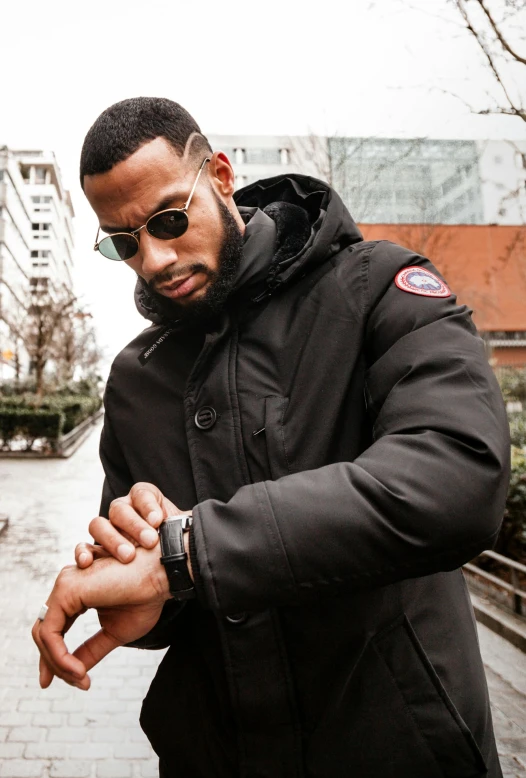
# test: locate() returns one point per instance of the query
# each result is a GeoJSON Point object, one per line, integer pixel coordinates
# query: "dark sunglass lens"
{"type": "Point", "coordinates": [168, 225]}
{"type": "Point", "coordinates": [118, 247]}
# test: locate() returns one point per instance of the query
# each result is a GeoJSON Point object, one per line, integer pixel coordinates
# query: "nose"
{"type": "Point", "coordinates": [155, 254]}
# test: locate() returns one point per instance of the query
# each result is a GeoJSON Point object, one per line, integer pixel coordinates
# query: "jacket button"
{"type": "Point", "coordinates": [237, 618]}
{"type": "Point", "coordinates": [205, 418]}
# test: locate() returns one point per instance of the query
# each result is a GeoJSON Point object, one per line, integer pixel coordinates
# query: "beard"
{"type": "Point", "coordinates": [220, 281]}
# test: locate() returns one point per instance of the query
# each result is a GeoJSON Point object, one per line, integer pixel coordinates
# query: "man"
{"type": "Point", "coordinates": [324, 410]}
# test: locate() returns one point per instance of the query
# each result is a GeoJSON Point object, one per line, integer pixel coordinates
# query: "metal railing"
{"type": "Point", "coordinates": [515, 592]}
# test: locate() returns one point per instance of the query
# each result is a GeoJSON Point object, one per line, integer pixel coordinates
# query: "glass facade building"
{"type": "Point", "coordinates": [415, 181]}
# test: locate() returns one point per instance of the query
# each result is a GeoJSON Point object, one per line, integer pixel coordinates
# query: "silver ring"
{"type": "Point", "coordinates": [42, 613]}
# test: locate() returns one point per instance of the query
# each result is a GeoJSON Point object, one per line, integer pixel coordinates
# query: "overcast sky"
{"type": "Point", "coordinates": [356, 68]}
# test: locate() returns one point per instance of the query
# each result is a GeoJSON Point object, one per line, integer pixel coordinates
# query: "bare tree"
{"type": "Point", "coordinates": [76, 345]}
{"type": "Point", "coordinates": [494, 27]}
{"type": "Point", "coordinates": [35, 323]}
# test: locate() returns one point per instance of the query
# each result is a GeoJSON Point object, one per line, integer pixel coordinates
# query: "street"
{"type": "Point", "coordinates": [65, 733]}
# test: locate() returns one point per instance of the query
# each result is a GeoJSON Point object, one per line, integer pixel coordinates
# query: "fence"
{"type": "Point", "coordinates": [512, 593]}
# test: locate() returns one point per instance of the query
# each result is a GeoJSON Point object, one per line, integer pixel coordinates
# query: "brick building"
{"type": "Point", "coordinates": [485, 265]}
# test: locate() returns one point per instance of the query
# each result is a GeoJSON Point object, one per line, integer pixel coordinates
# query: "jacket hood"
{"type": "Point", "coordinates": [312, 225]}
{"type": "Point", "coordinates": [294, 202]}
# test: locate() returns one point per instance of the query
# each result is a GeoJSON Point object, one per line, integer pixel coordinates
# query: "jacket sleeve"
{"type": "Point", "coordinates": [426, 496]}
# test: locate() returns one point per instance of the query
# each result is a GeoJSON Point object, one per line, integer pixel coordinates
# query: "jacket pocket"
{"type": "Point", "coordinates": [447, 736]}
{"type": "Point", "coordinates": [275, 408]}
{"type": "Point", "coordinates": [390, 717]}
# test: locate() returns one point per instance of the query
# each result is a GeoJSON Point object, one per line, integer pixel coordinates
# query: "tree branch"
{"type": "Point", "coordinates": [503, 42]}
{"type": "Point", "coordinates": [520, 112]}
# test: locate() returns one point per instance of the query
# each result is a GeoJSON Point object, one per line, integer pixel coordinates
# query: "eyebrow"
{"type": "Point", "coordinates": [162, 206]}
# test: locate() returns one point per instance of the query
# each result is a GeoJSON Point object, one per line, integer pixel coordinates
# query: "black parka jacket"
{"type": "Point", "coordinates": [344, 447]}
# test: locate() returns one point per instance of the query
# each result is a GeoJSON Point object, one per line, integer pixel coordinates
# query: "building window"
{"type": "Point", "coordinates": [40, 175]}
{"type": "Point", "coordinates": [39, 281]}
{"type": "Point", "coordinates": [284, 156]}
{"type": "Point", "coordinates": [239, 155]}
{"type": "Point", "coordinates": [263, 156]}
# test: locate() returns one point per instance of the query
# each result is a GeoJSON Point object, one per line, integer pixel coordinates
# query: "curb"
{"type": "Point", "coordinates": [512, 628]}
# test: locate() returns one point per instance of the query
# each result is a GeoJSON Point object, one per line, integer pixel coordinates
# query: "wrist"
{"type": "Point", "coordinates": [160, 578]}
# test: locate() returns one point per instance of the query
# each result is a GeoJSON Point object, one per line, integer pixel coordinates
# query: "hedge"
{"type": "Point", "coordinates": [512, 539]}
{"type": "Point", "coordinates": [76, 408]}
{"type": "Point", "coordinates": [518, 428]}
{"type": "Point", "coordinates": [30, 424]}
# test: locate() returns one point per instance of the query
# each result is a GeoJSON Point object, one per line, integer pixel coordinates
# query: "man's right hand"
{"type": "Point", "coordinates": [133, 521]}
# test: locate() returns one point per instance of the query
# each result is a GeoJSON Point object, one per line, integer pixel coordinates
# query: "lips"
{"type": "Point", "coordinates": [180, 287]}
{"type": "Point", "coordinates": [173, 284]}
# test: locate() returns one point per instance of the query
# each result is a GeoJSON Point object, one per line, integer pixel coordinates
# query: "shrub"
{"type": "Point", "coordinates": [30, 424]}
{"type": "Point", "coordinates": [75, 408]}
{"type": "Point", "coordinates": [512, 383]}
{"type": "Point", "coordinates": [15, 388]}
{"type": "Point", "coordinates": [518, 429]}
{"type": "Point", "coordinates": [512, 538]}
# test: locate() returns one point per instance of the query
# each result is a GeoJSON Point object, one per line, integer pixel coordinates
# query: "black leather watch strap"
{"type": "Point", "coordinates": [174, 557]}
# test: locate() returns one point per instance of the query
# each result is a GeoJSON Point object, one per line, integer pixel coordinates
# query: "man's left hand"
{"type": "Point", "coordinates": [133, 520]}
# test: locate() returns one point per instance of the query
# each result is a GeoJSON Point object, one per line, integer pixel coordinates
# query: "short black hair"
{"type": "Point", "coordinates": [126, 126]}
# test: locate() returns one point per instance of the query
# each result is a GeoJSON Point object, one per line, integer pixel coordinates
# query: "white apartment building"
{"type": "Point", "coordinates": [51, 220]}
{"type": "Point", "coordinates": [36, 237]}
{"type": "Point", "coordinates": [392, 180]}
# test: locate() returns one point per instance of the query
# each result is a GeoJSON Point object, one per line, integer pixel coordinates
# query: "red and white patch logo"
{"type": "Point", "coordinates": [418, 280]}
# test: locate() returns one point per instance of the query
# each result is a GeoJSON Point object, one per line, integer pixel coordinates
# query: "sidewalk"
{"type": "Point", "coordinates": [61, 732]}
{"type": "Point", "coordinates": [66, 733]}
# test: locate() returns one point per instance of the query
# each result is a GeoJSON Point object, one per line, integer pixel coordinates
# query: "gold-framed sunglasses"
{"type": "Point", "coordinates": [164, 225]}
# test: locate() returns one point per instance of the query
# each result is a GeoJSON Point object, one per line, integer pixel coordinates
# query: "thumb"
{"type": "Point", "coordinates": [96, 648]}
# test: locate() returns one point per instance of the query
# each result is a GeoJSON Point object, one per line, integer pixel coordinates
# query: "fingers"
{"type": "Point", "coordinates": [129, 516]}
{"type": "Point", "coordinates": [54, 656]}
{"type": "Point", "coordinates": [133, 520]}
{"type": "Point", "coordinates": [96, 648]}
{"type": "Point", "coordinates": [86, 553]}
{"type": "Point", "coordinates": [112, 541]}
{"type": "Point", "coordinates": [147, 501]}
{"type": "Point", "coordinates": [45, 674]}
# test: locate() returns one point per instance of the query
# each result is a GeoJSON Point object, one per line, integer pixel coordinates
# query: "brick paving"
{"type": "Point", "coordinates": [61, 732]}
{"type": "Point", "coordinates": [65, 733]}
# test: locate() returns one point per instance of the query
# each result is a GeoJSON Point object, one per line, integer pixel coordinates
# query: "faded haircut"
{"type": "Point", "coordinates": [124, 127]}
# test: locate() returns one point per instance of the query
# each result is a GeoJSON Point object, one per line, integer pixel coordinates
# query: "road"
{"type": "Point", "coordinates": [65, 733]}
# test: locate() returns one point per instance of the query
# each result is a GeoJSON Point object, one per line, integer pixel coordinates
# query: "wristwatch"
{"type": "Point", "coordinates": [174, 557]}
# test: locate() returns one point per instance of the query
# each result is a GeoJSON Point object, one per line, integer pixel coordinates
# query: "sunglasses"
{"type": "Point", "coordinates": [164, 225]}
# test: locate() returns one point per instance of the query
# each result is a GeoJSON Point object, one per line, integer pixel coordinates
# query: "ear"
{"type": "Point", "coordinates": [222, 174]}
